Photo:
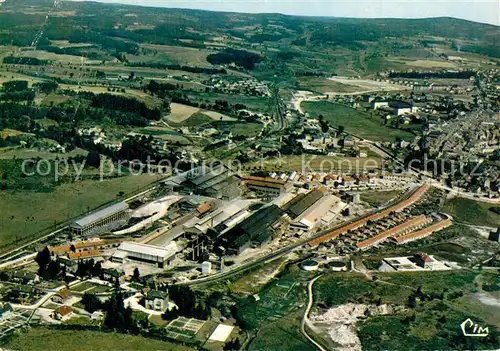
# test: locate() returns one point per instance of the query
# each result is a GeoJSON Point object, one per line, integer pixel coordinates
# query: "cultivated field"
{"type": "Point", "coordinates": [179, 112]}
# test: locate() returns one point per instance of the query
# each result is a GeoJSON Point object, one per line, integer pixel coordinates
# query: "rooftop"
{"type": "Point", "coordinates": [302, 202]}
{"type": "Point", "coordinates": [97, 215]}
{"type": "Point", "coordinates": [151, 250]}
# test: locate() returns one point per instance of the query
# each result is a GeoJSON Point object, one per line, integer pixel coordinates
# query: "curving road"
{"type": "Point", "coordinates": [304, 320]}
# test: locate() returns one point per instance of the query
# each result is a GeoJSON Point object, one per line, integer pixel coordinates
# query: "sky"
{"type": "Point", "coordinates": [486, 11]}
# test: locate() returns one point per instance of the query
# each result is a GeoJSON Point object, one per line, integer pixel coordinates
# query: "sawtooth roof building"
{"type": "Point", "coordinates": [254, 230]}
{"type": "Point", "coordinates": [218, 182]}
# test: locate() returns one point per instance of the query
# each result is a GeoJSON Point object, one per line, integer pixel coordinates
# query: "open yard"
{"type": "Point", "coordinates": [472, 212]}
{"type": "Point", "coordinates": [24, 213]}
{"type": "Point", "coordinates": [359, 123]}
{"type": "Point", "coordinates": [38, 339]}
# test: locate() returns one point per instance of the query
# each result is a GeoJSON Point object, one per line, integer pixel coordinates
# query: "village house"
{"type": "Point", "coordinates": [156, 300]}
{"type": "Point", "coordinates": [62, 313]}
{"type": "Point", "coordinates": [61, 296]}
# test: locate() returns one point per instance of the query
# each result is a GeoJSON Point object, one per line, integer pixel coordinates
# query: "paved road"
{"type": "Point", "coordinates": [305, 318]}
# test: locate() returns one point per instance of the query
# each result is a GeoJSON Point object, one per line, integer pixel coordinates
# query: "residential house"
{"type": "Point", "coordinates": [62, 313]}
{"type": "Point", "coordinates": [61, 296]}
{"type": "Point", "coordinates": [111, 274]}
{"type": "Point", "coordinates": [156, 300]}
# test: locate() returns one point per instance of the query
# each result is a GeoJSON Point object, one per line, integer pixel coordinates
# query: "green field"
{"type": "Point", "coordinates": [196, 119]}
{"type": "Point", "coordinates": [472, 212]}
{"type": "Point", "coordinates": [38, 339]}
{"type": "Point", "coordinates": [26, 213]}
{"type": "Point", "coordinates": [359, 123]}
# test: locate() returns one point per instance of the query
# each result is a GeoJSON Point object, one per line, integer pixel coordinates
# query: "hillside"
{"type": "Point", "coordinates": [124, 27]}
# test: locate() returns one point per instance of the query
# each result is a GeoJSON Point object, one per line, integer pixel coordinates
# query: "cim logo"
{"type": "Point", "coordinates": [469, 328]}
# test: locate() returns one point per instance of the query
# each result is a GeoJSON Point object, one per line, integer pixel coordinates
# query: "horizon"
{"type": "Point", "coordinates": [486, 12]}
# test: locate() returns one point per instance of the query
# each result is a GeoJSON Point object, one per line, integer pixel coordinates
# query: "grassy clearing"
{"type": "Point", "coordinates": [45, 55]}
{"type": "Point", "coordinates": [75, 340]}
{"type": "Point", "coordinates": [338, 289]}
{"type": "Point", "coordinates": [472, 212]}
{"type": "Point", "coordinates": [196, 119]}
{"type": "Point", "coordinates": [22, 153]}
{"type": "Point", "coordinates": [253, 281]}
{"type": "Point", "coordinates": [239, 128]}
{"type": "Point", "coordinates": [276, 316]}
{"type": "Point", "coordinates": [283, 334]}
{"type": "Point", "coordinates": [54, 99]}
{"type": "Point", "coordinates": [378, 198]}
{"type": "Point", "coordinates": [24, 214]}
{"type": "Point", "coordinates": [359, 123]}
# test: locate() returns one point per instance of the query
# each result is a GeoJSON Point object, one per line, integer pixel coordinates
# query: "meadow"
{"type": "Point", "coordinates": [472, 212]}
{"type": "Point", "coordinates": [359, 123]}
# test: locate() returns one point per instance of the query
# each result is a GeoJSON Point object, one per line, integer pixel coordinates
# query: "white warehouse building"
{"type": "Point", "coordinates": [142, 253]}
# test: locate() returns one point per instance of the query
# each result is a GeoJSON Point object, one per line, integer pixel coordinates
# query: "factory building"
{"type": "Point", "coordinates": [218, 182]}
{"type": "Point", "coordinates": [313, 215]}
{"type": "Point", "coordinates": [307, 209]}
{"type": "Point", "coordinates": [266, 186]}
{"type": "Point", "coordinates": [146, 254]}
{"type": "Point", "coordinates": [252, 231]}
{"type": "Point", "coordinates": [107, 219]}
